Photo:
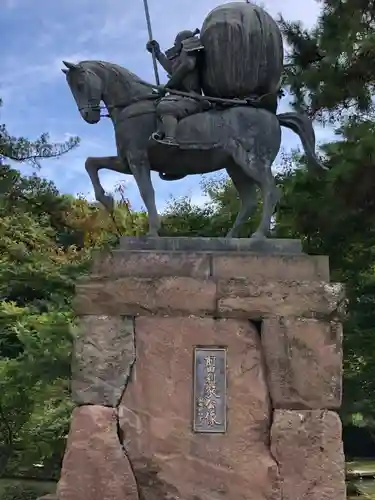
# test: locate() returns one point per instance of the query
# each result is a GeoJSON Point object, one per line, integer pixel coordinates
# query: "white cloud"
{"type": "Point", "coordinates": [10, 4]}
{"type": "Point", "coordinates": [116, 32]}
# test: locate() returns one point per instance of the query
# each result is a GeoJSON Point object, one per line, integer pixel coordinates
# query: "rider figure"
{"type": "Point", "coordinates": [181, 62]}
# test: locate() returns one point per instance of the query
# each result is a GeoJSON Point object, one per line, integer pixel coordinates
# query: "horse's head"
{"type": "Point", "coordinates": [86, 87]}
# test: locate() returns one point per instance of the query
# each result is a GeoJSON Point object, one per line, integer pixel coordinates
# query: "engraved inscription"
{"type": "Point", "coordinates": [209, 389]}
{"type": "Point", "coordinates": [207, 408]}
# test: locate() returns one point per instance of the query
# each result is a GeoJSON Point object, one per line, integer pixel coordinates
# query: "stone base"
{"type": "Point", "coordinates": [168, 244]}
{"type": "Point", "coordinates": [308, 449]}
{"type": "Point", "coordinates": [143, 311]}
{"type": "Point", "coordinates": [95, 466]}
{"type": "Point", "coordinates": [156, 414]}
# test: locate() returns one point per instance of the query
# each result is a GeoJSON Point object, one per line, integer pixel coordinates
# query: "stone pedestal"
{"type": "Point", "coordinates": [147, 314]}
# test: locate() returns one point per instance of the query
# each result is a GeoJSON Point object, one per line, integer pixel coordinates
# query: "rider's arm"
{"type": "Point", "coordinates": [164, 62]}
{"type": "Point", "coordinates": [187, 64]}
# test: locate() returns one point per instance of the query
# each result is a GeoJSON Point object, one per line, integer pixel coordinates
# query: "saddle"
{"type": "Point", "coordinates": [268, 102]}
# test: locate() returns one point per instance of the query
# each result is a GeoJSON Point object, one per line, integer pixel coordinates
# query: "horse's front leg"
{"type": "Point", "coordinates": [93, 165]}
{"type": "Point", "coordinates": [141, 170]}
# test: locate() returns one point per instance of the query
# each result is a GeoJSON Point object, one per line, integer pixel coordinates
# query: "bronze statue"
{"type": "Point", "coordinates": [181, 62]}
{"type": "Point", "coordinates": [237, 133]}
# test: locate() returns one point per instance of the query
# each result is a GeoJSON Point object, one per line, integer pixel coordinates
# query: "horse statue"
{"type": "Point", "coordinates": [244, 140]}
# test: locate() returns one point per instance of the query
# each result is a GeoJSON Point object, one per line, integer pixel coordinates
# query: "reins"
{"type": "Point", "coordinates": [256, 102]}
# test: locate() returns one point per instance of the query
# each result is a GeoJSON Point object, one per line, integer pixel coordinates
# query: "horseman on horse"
{"type": "Point", "coordinates": [182, 64]}
{"type": "Point", "coordinates": [242, 134]}
{"type": "Point", "coordinates": [237, 58]}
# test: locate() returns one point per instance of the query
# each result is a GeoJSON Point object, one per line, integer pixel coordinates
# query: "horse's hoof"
{"type": "Point", "coordinates": [108, 202]}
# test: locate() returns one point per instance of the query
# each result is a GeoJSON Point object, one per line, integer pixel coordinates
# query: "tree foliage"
{"type": "Point", "coordinates": [37, 278]}
{"type": "Point", "coordinates": [215, 218]}
{"type": "Point", "coordinates": [333, 214]}
{"type": "Point", "coordinates": [46, 240]}
{"type": "Point", "coordinates": [21, 149]}
{"type": "Point", "coordinates": [342, 83]}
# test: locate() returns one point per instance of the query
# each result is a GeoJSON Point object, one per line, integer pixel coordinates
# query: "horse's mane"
{"type": "Point", "coordinates": [119, 70]}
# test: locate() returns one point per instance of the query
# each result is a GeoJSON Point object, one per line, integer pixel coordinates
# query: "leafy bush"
{"type": "Point", "coordinates": [21, 492]}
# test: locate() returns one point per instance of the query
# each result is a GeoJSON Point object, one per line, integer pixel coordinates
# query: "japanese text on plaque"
{"type": "Point", "coordinates": [210, 391]}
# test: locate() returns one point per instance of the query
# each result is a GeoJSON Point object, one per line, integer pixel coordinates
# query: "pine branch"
{"type": "Point", "coordinates": [23, 150]}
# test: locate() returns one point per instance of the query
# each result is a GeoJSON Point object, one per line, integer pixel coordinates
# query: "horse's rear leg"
{"type": "Point", "coordinates": [93, 165]}
{"type": "Point", "coordinates": [246, 189]}
{"type": "Point", "coordinates": [271, 195]}
{"type": "Point", "coordinates": [260, 172]}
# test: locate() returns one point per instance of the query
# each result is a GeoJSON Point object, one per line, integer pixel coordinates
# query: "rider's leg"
{"type": "Point", "coordinates": [171, 110]}
{"type": "Point", "coordinates": [168, 114]}
{"type": "Point", "coordinates": [170, 127]}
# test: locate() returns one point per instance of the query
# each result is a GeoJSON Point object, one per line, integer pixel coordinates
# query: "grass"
{"type": "Point", "coordinates": [41, 487]}
{"type": "Point", "coordinates": [367, 486]}
{"type": "Point", "coordinates": [362, 465]}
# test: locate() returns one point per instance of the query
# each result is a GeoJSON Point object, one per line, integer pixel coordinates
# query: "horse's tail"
{"type": "Point", "coordinates": [302, 126]}
{"type": "Point", "coordinates": [170, 177]}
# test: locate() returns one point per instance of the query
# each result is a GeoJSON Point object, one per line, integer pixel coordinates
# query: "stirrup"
{"type": "Point", "coordinates": [156, 136]}
{"type": "Point", "coordinates": [167, 141]}
{"type": "Point", "coordinates": [171, 141]}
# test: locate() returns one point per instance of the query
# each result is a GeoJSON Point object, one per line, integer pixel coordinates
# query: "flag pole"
{"type": "Point", "coordinates": [148, 20]}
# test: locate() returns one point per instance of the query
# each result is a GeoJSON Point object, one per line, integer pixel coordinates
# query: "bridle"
{"type": "Point", "coordinates": [102, 108]}
{"type": "Point", "coordinates": [251, 101]}
{"type": "Point", "coordinates": [150, 97]}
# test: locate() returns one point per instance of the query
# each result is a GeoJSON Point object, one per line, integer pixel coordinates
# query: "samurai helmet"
{"type": "Point", "coordinates": [177, 46]}
{"type": "Point", "coordinates": [184, 35]}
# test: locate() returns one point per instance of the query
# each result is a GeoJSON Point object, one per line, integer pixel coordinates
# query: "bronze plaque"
{"type": "Point", "coordinates": [210, 389]}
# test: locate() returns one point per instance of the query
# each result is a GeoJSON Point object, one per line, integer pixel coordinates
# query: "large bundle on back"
{"type": "Point", "coordinates": [243, 51]}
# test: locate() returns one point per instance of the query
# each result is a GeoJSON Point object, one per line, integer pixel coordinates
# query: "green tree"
{"type": "Point", "coordinates": [342, 83]}
{"type": "Point", "coordinates": [46, 242]}
{"type": "Point", "coordinates": [21, 149]}
{"type": "Point", "coordinates": [37, 276]}
{"type": "Point", "coordinates": [214, 219]}
{"type": "Point", "coordinates": [333, 214]}
{"type": "Point", "coordinates": [37, 279]}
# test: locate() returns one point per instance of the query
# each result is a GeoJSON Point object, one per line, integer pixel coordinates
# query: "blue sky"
{"type": "Point", "coordinates": [36, 35]}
